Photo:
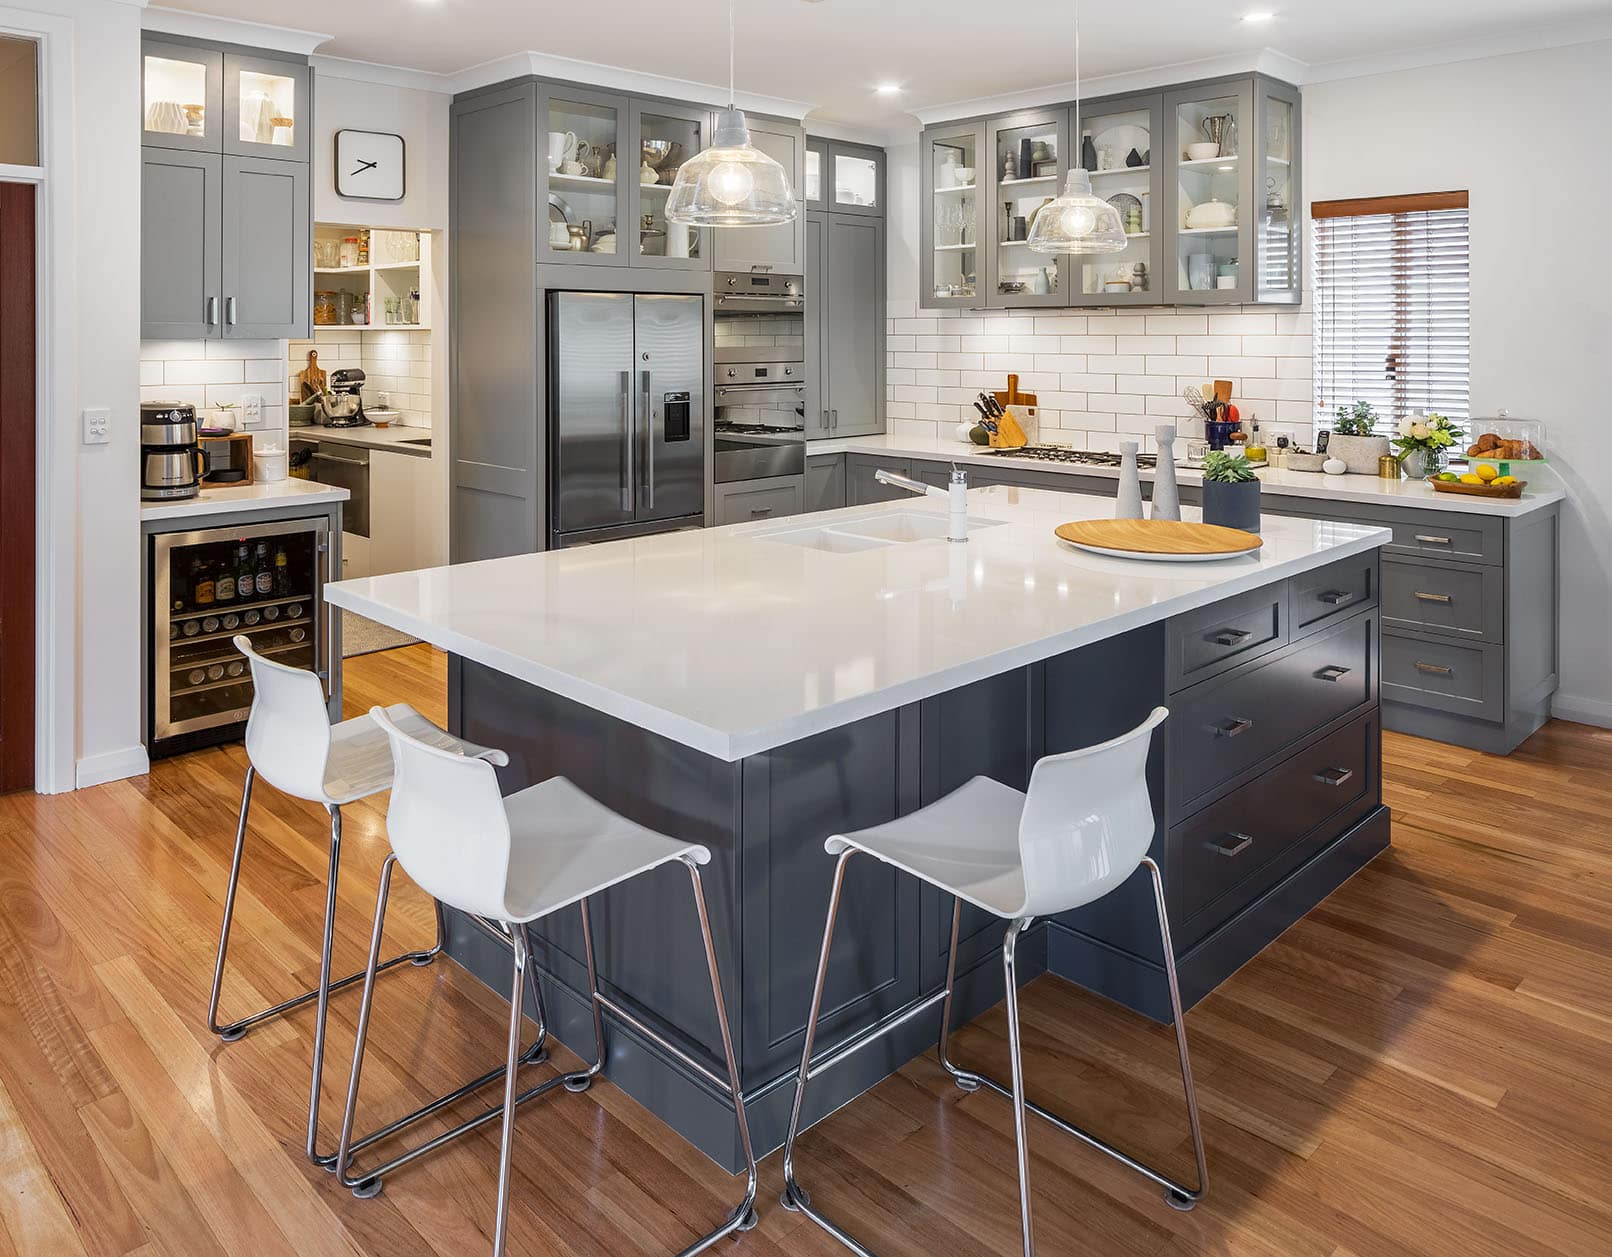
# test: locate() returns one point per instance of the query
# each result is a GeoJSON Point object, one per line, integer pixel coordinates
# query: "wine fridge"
{"type": "Point", "coordinates": [263, 581]}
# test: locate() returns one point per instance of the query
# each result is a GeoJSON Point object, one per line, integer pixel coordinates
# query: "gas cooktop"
{"type": "Point", "coordinates": [756, 429]}
{"type": "Point", "coordinates": [1061, 454]}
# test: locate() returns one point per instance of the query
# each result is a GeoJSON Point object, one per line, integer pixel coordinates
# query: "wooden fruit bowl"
{"type": "Point", "coordinates": [1479, 490]}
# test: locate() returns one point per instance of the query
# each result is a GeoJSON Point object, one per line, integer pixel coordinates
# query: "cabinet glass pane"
{"type": "Point", "coordinates": [666, 144]}
{"type": "Point", "coordinates": [176, 96]}
{"type": "Point", "coordinates": [19, 88]}
{"type": "Point", "coordinates": [1117, 149]}
{"type": "Point", "coordinates": [1027, 161]}
{"type": "Point", "coordinates": [856, 180]}
{"type": "Point", "coordinates": [582, 174]}
{"type": "Point", "coordinates": [814, 175]}
{"type": "Point", "coordinates": [955, 207]}
{"type": "Point", "coordinates": [1278, 236]}
{"type": "Point", "coordinates": [268, 109]}
{"type": "Point", "coordinates": [1206, 172]}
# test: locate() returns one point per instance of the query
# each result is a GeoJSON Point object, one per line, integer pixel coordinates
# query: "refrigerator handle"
{"type": "Point", "coordinates": [626, 440]}
{"type": "Point", "coordinates": [649, 444]}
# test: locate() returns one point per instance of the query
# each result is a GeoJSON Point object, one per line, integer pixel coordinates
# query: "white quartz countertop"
{"type": "Point", "coordinates": [730, 642]}
{"type": "Point", "coordinates": [227, 499]}
{"type": "Point", "coordinates": [389, 438]}
{"type": "Point", "coordinates": [1543, 487]}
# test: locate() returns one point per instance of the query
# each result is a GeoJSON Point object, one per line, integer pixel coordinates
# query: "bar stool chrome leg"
{"type": "Point", "coordinates": [1010, 946]}
{"type": "Point", "coordinates": [369, 1183]}
{"type": "Point", "coordinates": [521, 942]}
{"type": "Point", "coordinates": [1176, 1194]}
{"type": "Point", "coordinates": [582, 1079]}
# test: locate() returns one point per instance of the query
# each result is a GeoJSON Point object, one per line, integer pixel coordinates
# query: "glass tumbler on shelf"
{"type": "Point", "coordinates": [391, 309]}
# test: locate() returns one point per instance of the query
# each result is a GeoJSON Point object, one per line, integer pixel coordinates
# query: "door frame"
{"type": "Point", "coordinates": [18, 436]}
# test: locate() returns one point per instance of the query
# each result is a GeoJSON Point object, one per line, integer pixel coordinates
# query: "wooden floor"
{"type": "Point", "coordinates": [1419, 1067]}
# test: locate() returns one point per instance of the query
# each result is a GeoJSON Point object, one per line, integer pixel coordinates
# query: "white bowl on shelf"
{"type": "Point", "coordinates": [1202, 151]}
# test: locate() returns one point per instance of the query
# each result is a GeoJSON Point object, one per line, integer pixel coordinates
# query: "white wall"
{"type": "Point", "coordinates": [1525, 134]}
{"type": "Point", "coordinates": [420, 117]}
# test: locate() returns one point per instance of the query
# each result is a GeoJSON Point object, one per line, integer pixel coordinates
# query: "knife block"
{"type": "Point", "coordinates": [1017, 428]}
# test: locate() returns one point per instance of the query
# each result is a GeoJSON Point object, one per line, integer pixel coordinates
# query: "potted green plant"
{"type": "Point", "coordinates": [1423, 444]}
{"type": "Point", "coordinates": [1230, 491]}
{"type": "Point", "coordinates": [1353, 439]}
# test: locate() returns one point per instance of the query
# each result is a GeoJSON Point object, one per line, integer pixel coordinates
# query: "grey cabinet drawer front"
{"type": "Point", "coordinates": [1445, 675]}
{"type": "Point", "coordinates": [1445, 598]}
{"type": "Point", "coordinates": [1331, 592]}
{"type": "Point", "coordinates": [1438, 534]}
{"type": "Point", "coordinates": [1227, 725]}
{"type": "Point", "coordinates": [1206, 642]}
{"type": "Point", "coordinates": [860, 486]}
{"type": "Point", "coordinates": [1233, 843]}
{"type": "Point", "coordinates": [741, 506]}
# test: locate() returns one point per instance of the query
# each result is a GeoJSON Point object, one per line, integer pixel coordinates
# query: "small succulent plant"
{"type": "Point", "coordinates": [1357, 420]}
{"type": "Point", "coordinates": [1224, 468]}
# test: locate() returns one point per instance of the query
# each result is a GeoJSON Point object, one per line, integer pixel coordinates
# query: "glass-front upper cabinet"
{"type": "Point", "coordinates": [854, 182]}
{"type": "Point", "coordinates": [1210, 186]}
{"type": "Point", "coordinates": [182, 93]}
{"type": "Point", "coordinates": [583, 170]}
{"type": "Point", "coordinates": [1279, 265]}
{"type": "Point", "coordinates": [949, 186]}
{"type": "Point", "coordinates": [816, 166]}
{"type": "Point", "coordinates": [1118, 146]}
{"type": "Point", "coordinates": [664, 136]}
{"type": "Point", "coordinates": [1029, 156]}
{"type": "Point", "coordinates": [266, 111]}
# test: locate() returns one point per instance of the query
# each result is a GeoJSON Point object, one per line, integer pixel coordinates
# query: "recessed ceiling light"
{"type": "Point", "coordinates": [888, 89]}
{"type": "Point", "coordinates": [1260, 16]}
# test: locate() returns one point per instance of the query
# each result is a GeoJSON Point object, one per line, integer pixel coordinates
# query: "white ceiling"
{"type": "Point", "coordinates": [832, 53]}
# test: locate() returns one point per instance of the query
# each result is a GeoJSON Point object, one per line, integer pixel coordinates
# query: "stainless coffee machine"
{"type": "Point", "coordinates": [171, 459]}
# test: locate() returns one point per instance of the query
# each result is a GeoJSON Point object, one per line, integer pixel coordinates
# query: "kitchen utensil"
{"type": "Point", "coordinates": [579, 237]}
{"type": "Point", "coordinates": [965, 176]}
{"type": "Point", "coordinates": [269, 464]}
{"type": "Point", "coordinates": [572, 168]}
{"type": "Point", "coordinates": [560, 235]}
{"type": "Point", "coordinates": [562, 148]}
{"type": "Point", "coordinates": [312, 379]}
{"type": "Point", "coordinates": [1159, 540]}
{"type": "Point", "coordinates": [1479, 490]}
{"type": "Point", "coordinates": [382, 417]}
{"type": "Point", "coordinates": [1223, 390]}
{"type": "Point", "coordinates": [1194, 398]}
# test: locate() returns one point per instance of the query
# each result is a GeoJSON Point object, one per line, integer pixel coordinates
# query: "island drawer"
{"type": "Point", "coordinates": [1446, 675]}
{"type": "Point", "coordinates": [1445, 598]}
{"type": "Point", "coordinates": [1227, 725]}
{"type": "Point", "coordinates": [1331, 592]}
{"type": "Point", "coordinates": [1248, 840]}
{"type": "Point", "coordinates": [1208, 641]}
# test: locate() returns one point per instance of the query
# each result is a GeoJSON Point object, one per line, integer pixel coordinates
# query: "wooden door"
{"type": "Point", "coordinates": [16, 486]}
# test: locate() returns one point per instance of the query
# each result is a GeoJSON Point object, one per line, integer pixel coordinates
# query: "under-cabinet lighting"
{"type": "Point", "coordinates": [1260, 16]}
{"type": "Point", "coordinates": [888, 89]}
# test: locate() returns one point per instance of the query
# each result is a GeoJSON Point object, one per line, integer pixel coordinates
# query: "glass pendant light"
{"type": "Point", "coordinates": [732, 183]}
{"type": "Point", "coordinates": [1078, 221]}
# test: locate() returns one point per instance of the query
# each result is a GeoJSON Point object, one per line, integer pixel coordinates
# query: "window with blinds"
{"type": "Point", "coordinates": [1391, 298]}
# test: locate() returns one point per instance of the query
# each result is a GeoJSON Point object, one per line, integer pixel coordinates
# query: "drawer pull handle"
{"type": "Point", "coordinates": [1433, 541]}
{"type": "Point", "coordinates": [1230, 637]}
{"type": "Point", "coordinates": [760, 510]}
{"type": "Point", "coordinates": [1437, 669]}
{"type": "Point", "coordinates": [1231, 844]}
{"type": "Point", "coordinates": [1336, 597]}
{"type": "Point", "coordinates": [1423, 596]}
{"type": "Point", "coordinates": [1332, 672]}
{"type": "Point", "coordinates": [1334, 776]}
{"type": "Point", "coordinates": [1233, 727]}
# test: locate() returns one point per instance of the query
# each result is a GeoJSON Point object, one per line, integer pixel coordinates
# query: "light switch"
{"type": "Point", "coordinates": [251, 410]}
{"type": "Point", "coordinates": [97, 426]}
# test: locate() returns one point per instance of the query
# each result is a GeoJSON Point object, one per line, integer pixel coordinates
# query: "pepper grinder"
{"type": "Point", "coordinates": [1166, 495]}
{"type": "Point", "coordinates": [1128, 501]}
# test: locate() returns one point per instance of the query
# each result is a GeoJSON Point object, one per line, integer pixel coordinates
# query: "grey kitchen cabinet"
{"type": "Point", "coordinates": [687, 128]}
{"type": "Point", "coordinates": [781, 248]}
{"type": "Point", "coordinates": [182, 95]}
{"type": "Point", "coordinates": [845, 304]}
{"type": "Point", "coordinates": [591, 127]}
{"type": "Point", "coordinates": [953, 215]}
{"type": "Point", "coordinates": [853, 178]}
{"type": "Point", "coordinates": [266, 249]}
{"type": "Point", "coordinates": [860, 485]}
{"type": "Point", "coordinates": [812, 189]}
{"type": "Point", "coordinates": [816, 417]}
{"type": "Point", "coordinates": [745, 501]}
{"type": "Point", "coordinates": [267, 106]}
{"type": "Point", "coordinates": [825, 482]}
{"type": "Point", "coordinates": [1118, 126]}
{"type": "Point", "coordinates": [181, 262]}
{"type": "Point", "coordinates": [220, 98]}
{"type": "Point", "coordinates": [1034, 145]}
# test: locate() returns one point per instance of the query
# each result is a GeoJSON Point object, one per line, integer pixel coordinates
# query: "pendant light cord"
{"type": "Point", "coordinates": [731, 93]}
{"type": "Point", "coordinates": [1078, 135]}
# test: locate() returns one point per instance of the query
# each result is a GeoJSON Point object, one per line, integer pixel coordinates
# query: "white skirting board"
{"type": "Point", "coordinates": [1587, 711]}
{"type": "Point", "coordinates": [95, 770]}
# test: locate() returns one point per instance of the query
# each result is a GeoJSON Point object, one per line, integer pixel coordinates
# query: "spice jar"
{"type": "Point", "coordinates": [349, 251]}
{"type": "Point", "coordinates": [324, 309]}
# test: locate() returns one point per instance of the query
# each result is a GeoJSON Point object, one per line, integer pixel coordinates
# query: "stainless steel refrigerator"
{"type": "Point", "coordinates": [626, 415]}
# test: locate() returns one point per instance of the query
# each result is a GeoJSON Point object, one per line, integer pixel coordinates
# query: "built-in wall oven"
{"type": "Point", "coordinates": [264, 581]}
{"type": "Point", "coordinates": [760, 365]}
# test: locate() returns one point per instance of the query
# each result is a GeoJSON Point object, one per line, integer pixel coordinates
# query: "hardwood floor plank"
{"type": "Point", "coordinates": [32, 1213]}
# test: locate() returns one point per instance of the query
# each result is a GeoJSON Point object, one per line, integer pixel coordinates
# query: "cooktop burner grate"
{"type": "Point", "coordinates": [1059, 454]}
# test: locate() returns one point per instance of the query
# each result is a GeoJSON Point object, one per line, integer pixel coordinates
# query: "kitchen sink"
{"type": "Point", "coordinates": [829, 540]}
{"type": "Point", "coordinates": [899, 526]}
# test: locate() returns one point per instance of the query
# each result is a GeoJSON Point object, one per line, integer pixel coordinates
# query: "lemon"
{"type": "Point", "coordinates": [1487, 471]}
{"type": "Point", "coordinates": [1506, 480]}
{"type": "Point", "coordinates": [1469, 478]}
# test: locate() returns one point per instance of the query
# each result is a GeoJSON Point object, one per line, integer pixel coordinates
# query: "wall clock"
{"type": "Point", "coordinates": [369, 165]}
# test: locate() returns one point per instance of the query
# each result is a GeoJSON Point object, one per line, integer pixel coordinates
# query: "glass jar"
{"type": "Point", "coordinates": [349, 251]}
{"type": "Point", "coordinates": [325, 309]}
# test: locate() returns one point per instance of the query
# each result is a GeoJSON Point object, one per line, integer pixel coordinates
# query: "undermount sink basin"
{"type": "Point", "coordinates": [826, 539]}
{"type": "Point", "coordinates": [897, 526]}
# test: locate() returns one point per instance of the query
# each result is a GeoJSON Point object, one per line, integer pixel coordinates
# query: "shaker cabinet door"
{"type": "Point", "coordinates": [780, 249]}
{"type": "Point", "coordinates": [854, 347]}
{"type": "Point", "coordinates": [180, 210]}
{"type": "Point", "coordinates": [817, 312]}
{"type": "Point", "coordinates": [267, 265]}
{"type": "Point", "coordinates": [266, 107]}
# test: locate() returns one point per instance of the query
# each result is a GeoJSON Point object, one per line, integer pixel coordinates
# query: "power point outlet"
{"type": "Point", "coordinates": [252, 410]}
{"type": "Point", "coordinates": [97, 426]}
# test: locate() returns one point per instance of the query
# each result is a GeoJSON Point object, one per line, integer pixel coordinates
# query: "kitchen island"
{"type": "Point", "coordinates": [759, 687]}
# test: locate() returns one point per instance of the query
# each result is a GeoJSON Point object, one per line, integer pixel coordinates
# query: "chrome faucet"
{"type": "Point", "coordinates": [955, 493]}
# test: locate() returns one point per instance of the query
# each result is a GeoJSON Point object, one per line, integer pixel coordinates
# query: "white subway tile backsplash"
{"type": "Point", "coordinates": [1101, 376]}
{"type": "Point", "coordinates": [206, 371]}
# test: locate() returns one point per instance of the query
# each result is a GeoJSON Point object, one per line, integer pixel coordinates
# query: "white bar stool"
{"type": "Point", "coordinates": [291, 743]}
{"type": "Point", "coordinates": [1079, 833]}
{"type": "Point", "coordinates": [512, 861]}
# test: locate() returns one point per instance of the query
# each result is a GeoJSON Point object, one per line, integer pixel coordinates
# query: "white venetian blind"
{"type": "Point", "coordinates": [1391, 301]}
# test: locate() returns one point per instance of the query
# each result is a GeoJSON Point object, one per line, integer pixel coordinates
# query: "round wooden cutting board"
{"type": "Point", "coordinates": [1167, 540]}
